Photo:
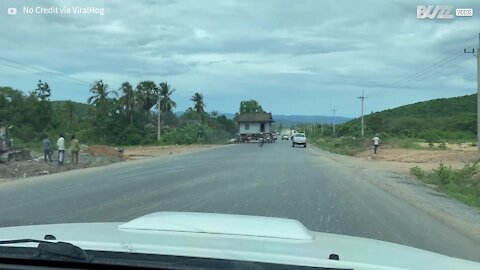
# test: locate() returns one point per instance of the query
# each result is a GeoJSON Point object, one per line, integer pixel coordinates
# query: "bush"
{"type": "Point", "coordinates": [463, 184]}
{"type": "Point", "coordinates": [444, 174]}
{"type": "Point", "coordinates": [417, 172]}
{"type": "Point", "coordinates": [132, 136]}
{"type": "Point", "coordinates": [430, 136]}
{"type": "Point", "coordinates": [192, 134]}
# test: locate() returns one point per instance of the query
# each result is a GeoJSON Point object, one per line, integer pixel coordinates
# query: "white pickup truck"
{"type": "Point", "coordinates": [299, 139]}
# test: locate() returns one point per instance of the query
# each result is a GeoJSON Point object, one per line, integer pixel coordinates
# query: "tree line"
{"type": "Point", "coordinates": [124, 116]}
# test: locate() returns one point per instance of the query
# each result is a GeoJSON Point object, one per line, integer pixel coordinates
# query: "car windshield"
{"type": "Point", "coordinates": [113, 110]}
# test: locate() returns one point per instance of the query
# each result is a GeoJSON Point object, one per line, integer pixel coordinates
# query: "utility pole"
{"type": "Point", "coordinates": [334, 110]}
{"type": "Point", "coordinates": [362, 98]}
{"type": "Point", "coordinates": [158, 120]}
{"type": "Point", "coordinates": [475, 53]}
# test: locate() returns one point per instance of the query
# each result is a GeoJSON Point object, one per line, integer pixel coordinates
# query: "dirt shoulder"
{"type": "Point", "coordinates": [90, 156]}
{"type": "Point", "coordinates": [389, 170]}
{"type": "Point", "coordinates": [405, 159]}
{"type": "Point", "coordinates": [141, 152]}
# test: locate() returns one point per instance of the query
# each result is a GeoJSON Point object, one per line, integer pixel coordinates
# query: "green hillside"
{"type": "Point", "coordinates": [433, 120]}
{"type": "Point", "coordinates": [80, 109]}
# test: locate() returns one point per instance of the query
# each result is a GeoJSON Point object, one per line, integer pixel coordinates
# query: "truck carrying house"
{"type": "Point", "coordinates": [253, 125]}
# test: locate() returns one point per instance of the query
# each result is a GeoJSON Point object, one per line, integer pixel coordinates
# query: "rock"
{"type": "Point", "coordinates": [24, 175]}
{"type": "Point", "coordinates": [44, 172]}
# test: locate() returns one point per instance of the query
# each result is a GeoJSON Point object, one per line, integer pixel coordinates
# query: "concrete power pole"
{"type": "Point", "coordinates": [158, 120]}
{"type": "Point", "coordinates": [334, 110]}
{"type": "Point", "coordinates": [475, 53]}
{"type": "Point", "coordinates": [362, 98]}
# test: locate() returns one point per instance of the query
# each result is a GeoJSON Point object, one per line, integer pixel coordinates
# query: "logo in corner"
{"type": "Point", "coordinates": [11, 11]}
{"type": "Point", "coordinates": [434, 12]}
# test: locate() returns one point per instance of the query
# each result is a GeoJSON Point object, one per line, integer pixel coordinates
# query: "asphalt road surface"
{"type": "Point", "coordinates": [274, 180]}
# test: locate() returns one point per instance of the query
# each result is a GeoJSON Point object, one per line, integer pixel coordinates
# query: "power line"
{"type": "Point", "coordinates": [457, 53]}
{"type": "Point", "coordinates": [430, 72]}
{"type": "Point", "coordinates": [427, 69]}
{"type": "Point", "coordinates": [22, 67]}
{"type": "Point", "coordinates": [470, 38]}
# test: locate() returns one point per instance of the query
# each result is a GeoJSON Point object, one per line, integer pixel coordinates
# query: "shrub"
{"type": "Point", "coordinates": [417, 172]}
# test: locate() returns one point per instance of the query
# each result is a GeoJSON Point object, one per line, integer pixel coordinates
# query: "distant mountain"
{"type": "Point", "coordinates": [292, 120]}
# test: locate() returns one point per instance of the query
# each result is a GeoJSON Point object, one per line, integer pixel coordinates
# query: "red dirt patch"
{"type": "Point", "coordinates": [103, 150]}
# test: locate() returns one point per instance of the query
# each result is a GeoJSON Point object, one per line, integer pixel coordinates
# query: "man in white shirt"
{"type": "Point", "coordinates": [376, 141]}
{"type": "Point", "coordinates": [61, 149]}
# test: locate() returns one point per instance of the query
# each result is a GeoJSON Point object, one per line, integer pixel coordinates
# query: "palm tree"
{"type": "Point", "coordinates": [199, 106]}
{"type": "Point", "coordinates": [166, 102]}
{"type": "Point", "coordinates": [100, 93]}
{"type": "Point", "coordinates": [148, 92]}
{"type": "Point", "coordinates": [128, 99]}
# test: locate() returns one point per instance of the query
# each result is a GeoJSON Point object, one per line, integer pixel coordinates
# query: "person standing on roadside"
{"type": "Point", "coordinates": [74, 149]}
{"type": "Point", "coordinates": [61, 149]}
{"type": "Point", "coordinates": [47, 148]}
{"type": "Point", "coordinates": [376, 142]}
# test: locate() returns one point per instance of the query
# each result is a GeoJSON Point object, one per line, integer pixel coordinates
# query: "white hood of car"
{"type": "Point", "coordinates": [237, 237]}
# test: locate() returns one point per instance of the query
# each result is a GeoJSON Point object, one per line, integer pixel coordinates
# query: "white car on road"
{"type": "Point", "coordinates": [299, 139]}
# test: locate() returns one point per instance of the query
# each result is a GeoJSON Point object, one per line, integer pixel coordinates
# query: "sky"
{"type": "Point", "coordinates": [293, 57]}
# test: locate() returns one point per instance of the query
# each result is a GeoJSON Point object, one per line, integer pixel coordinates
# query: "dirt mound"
{"type": "Point", "coordinates": [106, 151]}
{"type": "Point", "coordinates": [140, 152]}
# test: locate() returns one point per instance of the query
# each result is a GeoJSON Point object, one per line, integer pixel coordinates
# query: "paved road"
{"type": "Point", "coordinates": [275, 180]}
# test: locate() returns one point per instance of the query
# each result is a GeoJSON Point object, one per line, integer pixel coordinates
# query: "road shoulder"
{"type": "Point", "coordinates": [393, 177]}
{"type": "Point", "coordinates": [103, 158]}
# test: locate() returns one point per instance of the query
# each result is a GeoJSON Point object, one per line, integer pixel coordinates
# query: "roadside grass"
{"type": "Point", "coordinates": [350, 145]}
{"type": "Point", "coordinates": [405, 143]}
{"type": "Point", "coordinates": [346, 145]}
{"type": "Point", "coordinates": [461, 184]}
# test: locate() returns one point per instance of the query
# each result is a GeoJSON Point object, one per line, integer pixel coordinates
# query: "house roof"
{"type": "Point", "coordinates": [255, 117]}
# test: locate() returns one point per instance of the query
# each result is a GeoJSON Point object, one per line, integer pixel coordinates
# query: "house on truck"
{"type": "Point", "coordinates": [251, 125]}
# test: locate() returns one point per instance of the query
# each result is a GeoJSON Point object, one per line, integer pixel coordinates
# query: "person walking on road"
{"type": "Point", "coordinates": [47, 148]}
{"type": "Point", "coordinates": [376, 142]}
{"type": "Point", "coordinates": [61, 149]}
{"type": "Point", "coordinates": [74, 149]}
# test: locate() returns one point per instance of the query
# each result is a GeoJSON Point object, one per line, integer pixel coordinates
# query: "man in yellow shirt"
{"type": "Point", "coordinates": [74, 149]}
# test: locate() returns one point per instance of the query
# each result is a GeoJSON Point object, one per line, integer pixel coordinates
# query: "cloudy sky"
{"type": "Point", "coordinates": [294, 57]}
